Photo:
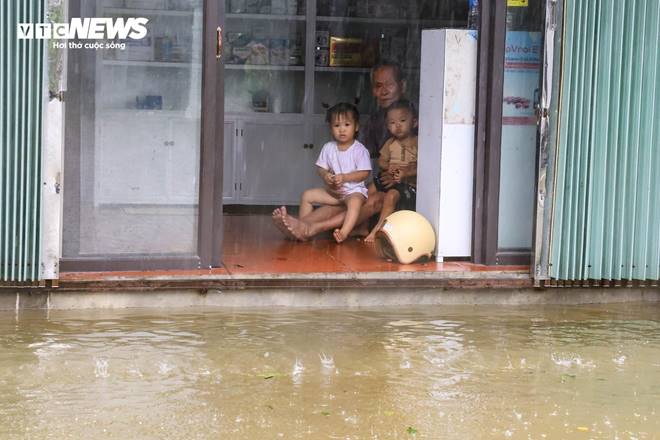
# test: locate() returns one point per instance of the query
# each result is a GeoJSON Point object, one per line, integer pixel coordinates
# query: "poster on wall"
{"type": "Point", "coordinates": [522, 64]}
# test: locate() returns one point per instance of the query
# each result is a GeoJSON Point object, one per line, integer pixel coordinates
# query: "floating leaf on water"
{"type": "Point", "coordinates": [270, 375]}
{"type": "Point", "coordinates": [582, 428]}
{"type": "Point", "coordinates": [270, 407]}
{"type": "Point", "coordinates": [388, 413]}
{"type": "Point", "coordinates": [565, 377]}
{"type": "Point", "coordinates": [325, 413]}
{"type": "Point", "coordinates": [411, 430]}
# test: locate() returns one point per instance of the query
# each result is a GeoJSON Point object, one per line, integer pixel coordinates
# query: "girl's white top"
{"type": "Point", "coordinates": [355, 158]}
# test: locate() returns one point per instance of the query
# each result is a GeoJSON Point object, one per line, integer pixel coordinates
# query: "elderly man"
{"type": "Point", "coordinates": [387, 86]}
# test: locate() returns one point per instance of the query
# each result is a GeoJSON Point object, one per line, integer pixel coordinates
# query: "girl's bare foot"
{"type": "Point", "coordinates": [370, 238]}
{"type": "Point", "coordinates": [339, 236]}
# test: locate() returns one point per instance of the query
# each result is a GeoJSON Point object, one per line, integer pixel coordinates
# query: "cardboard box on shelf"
{"type": "Point", "coordinates": [238, 47]}
{"type": "Point", "coordinates": [264, 7]}
{"type": "Point", "coordinates": [321, 57]}
{"type": "Point", "coordinates": [292, 7]}
{"type": "Point", "coordinates": [285, 52]}
{"type": "Point", "coordinates": [149, 102]}
{"type": "Point", "coordinates": [346, 52]}
{"type": "Point", "coordinates": [279, 51]}
{"type": "Point", "coordinates": [237, 6]}
{"type": "Point", "coordinates": [182, 5]}
{"type": "Point", "coordinates": [261, 101]}
{"type": "Point", "coordinates": [323, 38]}
{"type": "Point", "coordinates": [145, 4]}
{"type": "Point", "coordinates": [296, 51]}
{"type": "Point", "coordinates": [259, 52]}
{"type": "Point", "coordinates": [137, 50]}
{"type": "Point", "coordinates": [278, 7]}
{"type": "Point", "coordinates": [257, 6]}
{"type": "Point", "coordinates": [113, 3]}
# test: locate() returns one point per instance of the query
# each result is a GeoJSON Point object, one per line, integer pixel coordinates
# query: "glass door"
{"type": "Point", "coordinates": [521, 96]}
{"type": "Point", "coordinates": [138, 131]}
{"type": "Point", "coordinates": [265, 86]}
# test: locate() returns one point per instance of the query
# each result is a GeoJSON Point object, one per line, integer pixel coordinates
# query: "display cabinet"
{"type": "Point", "coordinates": [285, 63]}
{"type": "Point", "coordinates": [288, 61]}
{"type": "Point", "coordinates": [147, 101]}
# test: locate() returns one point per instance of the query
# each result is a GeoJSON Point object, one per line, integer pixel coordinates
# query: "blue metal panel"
{"type": "Point", "coordinates": [606, 221]}
{"type": "Point", "coordinates": [21, 74]}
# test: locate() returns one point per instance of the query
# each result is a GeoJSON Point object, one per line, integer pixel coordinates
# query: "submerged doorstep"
{"type": "Point", "coordinates": [308, 290]}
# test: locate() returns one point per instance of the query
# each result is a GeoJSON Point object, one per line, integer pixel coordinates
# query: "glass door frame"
{"type": "Point", "coordinates": [488, 139]}
{"type": "Point", "coordinates": [210, 223]}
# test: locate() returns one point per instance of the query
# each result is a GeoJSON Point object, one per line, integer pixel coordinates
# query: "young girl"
{"type": "Point", "coordinates": [398, 160]}
{"type": "Point", "coordinates": [343, 165]}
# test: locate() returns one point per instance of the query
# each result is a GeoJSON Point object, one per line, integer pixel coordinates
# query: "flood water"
{"type": "Point", "coordinates": [434, 372]}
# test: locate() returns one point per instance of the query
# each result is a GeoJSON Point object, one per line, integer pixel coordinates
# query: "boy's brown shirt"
{"type": "Point", "coordinates": [400, 154]}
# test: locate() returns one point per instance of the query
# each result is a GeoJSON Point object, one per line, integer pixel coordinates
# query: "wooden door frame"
{"type": "Point", "coordinates": [488, 140]}
{"type": "Point", "coordinates": [209, 239]}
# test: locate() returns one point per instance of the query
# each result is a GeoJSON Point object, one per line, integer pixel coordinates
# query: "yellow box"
{"type": "Point", "coordinates": [346, 51]}
{"type": "Point", "coordinates": [517, 3]}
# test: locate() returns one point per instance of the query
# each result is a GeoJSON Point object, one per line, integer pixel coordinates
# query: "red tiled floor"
{"type": "Point", "coordinates": [252, 244]}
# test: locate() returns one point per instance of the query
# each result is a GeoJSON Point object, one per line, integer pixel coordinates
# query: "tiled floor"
{"type": "Point", "coordinates": [253, 245]}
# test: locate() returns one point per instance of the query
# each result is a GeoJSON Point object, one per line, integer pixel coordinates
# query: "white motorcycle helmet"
{"type": "Point", "coordinates": [406, 236]}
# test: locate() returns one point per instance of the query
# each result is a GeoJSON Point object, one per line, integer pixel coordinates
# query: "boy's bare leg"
{"type": "Point", "coordinates": [389, 205]}
{"type": "Point", "coordinates": [371, 189]}
{"type": "Point", "coordinates": [353, 204]}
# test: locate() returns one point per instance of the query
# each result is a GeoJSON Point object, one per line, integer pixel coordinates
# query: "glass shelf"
{"type": "Point", "coordinates": [342, 69]}
{"type": "Point", "coordinates": [264, 67]}
{"type": "Point", "coordinates": [370, 20]}
{"type": "Point", "coordinates": [266, 17]}
{"type": "Point", "coordinates": [150, 64]}
{"type": "Point", "coordinates": [168, 12]}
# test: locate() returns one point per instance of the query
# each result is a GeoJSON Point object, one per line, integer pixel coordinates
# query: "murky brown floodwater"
{"type": "Point", "coordinates": [432, 372]}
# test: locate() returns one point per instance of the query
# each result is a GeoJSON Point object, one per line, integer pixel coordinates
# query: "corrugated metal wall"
{"type": "Point", "coordinates": [21, 73]}
{"type": "Point", "coordinates": [607, 204]}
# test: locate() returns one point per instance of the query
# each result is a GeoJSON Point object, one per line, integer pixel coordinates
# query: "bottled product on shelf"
{"type": "Point", "coordinates": [473, 14]}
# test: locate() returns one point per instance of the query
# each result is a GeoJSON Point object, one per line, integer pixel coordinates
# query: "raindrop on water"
{"type": "Point", "coordinates": [101, 368]}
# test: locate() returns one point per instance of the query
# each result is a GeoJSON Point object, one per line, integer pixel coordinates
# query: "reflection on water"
{"type": "Point", "coordinates": [443, 372]}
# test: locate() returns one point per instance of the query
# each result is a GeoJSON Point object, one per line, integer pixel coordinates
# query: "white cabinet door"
{"type": "Point", "coordinates": [129, 163]}
{"type": "Point", "coordinates": [184, 162]}
{"type": "Point", "coordinates": [276, 166]}
{"type": "Point", "coordinates": [320, 136]}
{"type": "Point", "coordinates": [229, 183]}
